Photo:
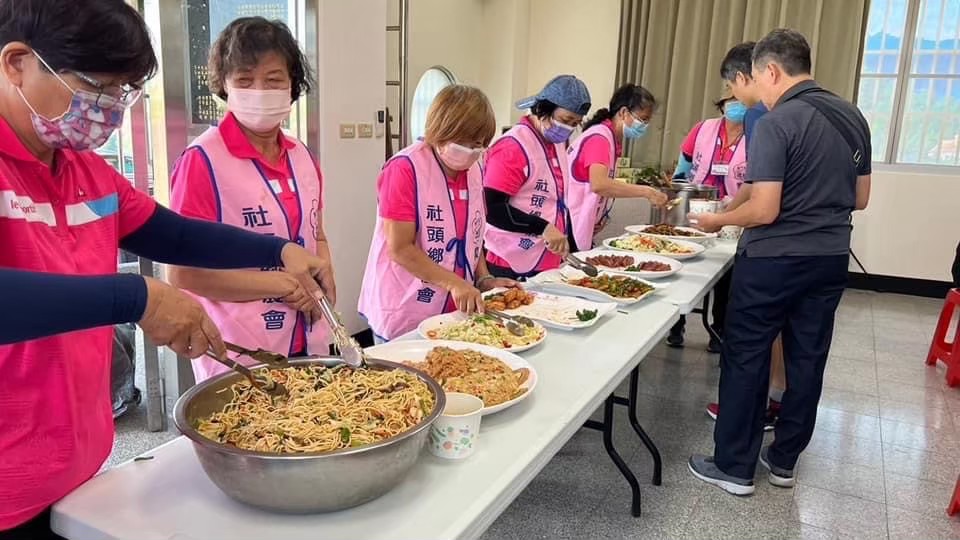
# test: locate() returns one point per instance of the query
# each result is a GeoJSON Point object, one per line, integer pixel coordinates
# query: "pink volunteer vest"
{"type": "Point", "coordinates": [587, 209]}
{"type": "Point", "coordinates": [247, 200]}
{"type": "Point", "coordinates": [392, 299]}
{"type": "Point", "coordinates": [703, 152]}
{"type": "Point", "coordinates": [539, 195]}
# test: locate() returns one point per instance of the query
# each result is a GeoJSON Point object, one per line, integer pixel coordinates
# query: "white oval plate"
{"type": "Point", "coordinates": [675, 265]}
{"type": "Point", "coordinates": [560, 312]}
{"type": "Point", "coordinates": [438, 321]}
{"type": "Point", "coordinates": [555, 281]}
{"type": "Point", "coordinates": [697, 248]}
{"type": "Point", "coordinates": [642, 229]}
{"type": "Point", "coordinates": [416, 351]}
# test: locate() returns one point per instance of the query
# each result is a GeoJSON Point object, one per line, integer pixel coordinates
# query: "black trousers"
{"type": "Point", "coordinates": [37, 528]}
{"type": "Point", "coordinates": [797, 296]}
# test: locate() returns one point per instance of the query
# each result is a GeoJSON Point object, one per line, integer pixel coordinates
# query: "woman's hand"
{"type": "Point", "coordinates": [655, 196]}
{"type": "Point", "coordinates": [175, 319]}
{"type": "Point", "coordinates": [556, 240]}
{"type": "Point", "coordinates": [314, 274]}
{"type": "Point", "coordinates": [489, 283]}
{"type": "Point", "coordinates": [467, 298]}
{"type": "Point", "coordinates": [295, 296]}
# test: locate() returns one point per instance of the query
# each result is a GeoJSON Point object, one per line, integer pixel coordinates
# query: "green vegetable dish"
{"type": "Point", "coordinates": [586, 314]}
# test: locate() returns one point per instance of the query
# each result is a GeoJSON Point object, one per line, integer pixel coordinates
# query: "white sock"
{"type": "Point", "coordinates": [776, 394]}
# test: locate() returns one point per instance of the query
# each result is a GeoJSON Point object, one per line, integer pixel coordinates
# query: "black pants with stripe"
{"type": "Point", "coordinates": [797, 296]}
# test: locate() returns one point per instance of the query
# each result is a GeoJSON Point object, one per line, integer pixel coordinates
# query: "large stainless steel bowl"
{"type": "Point", "coordinates": [308, 482]}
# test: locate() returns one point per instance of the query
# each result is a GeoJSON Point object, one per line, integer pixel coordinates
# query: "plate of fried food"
{"type": "Point", "coordinates": [498, 377]}
{"type": "Point", "coordinates": [672, 232]}
{"type": "Point", "coordinates": [552, 310]}
{"type": "Point", "coordinates": [481, 329]}
{"type": "Point", "coordinates": [605, 287]}
{"type": "Point", "coordinates": [644, 243]}
{"type": "Point", "coordinates": [639, 266]}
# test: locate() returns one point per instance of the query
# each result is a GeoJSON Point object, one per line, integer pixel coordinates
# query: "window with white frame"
{"type": "Point", "coordinates": [910, 81]}
{"type": "Point", "coordinates": [431, 83]}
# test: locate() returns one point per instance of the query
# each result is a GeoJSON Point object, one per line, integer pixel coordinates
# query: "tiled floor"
{"type": "Point", "coordinates": [882, 463]}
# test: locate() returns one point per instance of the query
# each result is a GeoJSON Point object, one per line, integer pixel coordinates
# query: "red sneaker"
{"type": "Point", "coordinates": [713, 409]}
{"type": "Point", "coordinates": [769, 419]}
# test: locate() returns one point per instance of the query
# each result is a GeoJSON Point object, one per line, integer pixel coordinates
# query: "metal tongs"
{"type": "Point", "coordinates": [351, 351]}
{"type": "Point", "coordinates": [513, 323]}
{"type": "Point", "coordinates": [584, 267]}
{"type": "Point", "coordinates": [266, 385]}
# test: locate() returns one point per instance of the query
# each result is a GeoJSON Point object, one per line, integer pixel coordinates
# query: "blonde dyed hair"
{"type": "Point", "coordinates": [460, 113]}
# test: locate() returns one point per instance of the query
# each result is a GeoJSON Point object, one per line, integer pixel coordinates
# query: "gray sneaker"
{"type": "Point", "coordinates": [779, 477]}
{"type": "Point", "coordinates": [705, 469]}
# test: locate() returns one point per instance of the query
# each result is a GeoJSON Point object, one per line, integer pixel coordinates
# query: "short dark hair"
{"type": "Point", "coordinates": [632, 96]}
{"type": "Point", "coordinates": [90, 36]}
{"type": "Point", "coordinates": [244, 41]}
{"type": "Point", "coordinates": [543, 108]}
{"type": "Point", "coordinates": [720, 103]}
{"type": "Point", "coordinates": [739, 59]}
{"type": "Point", "coordinates": [786, 47]}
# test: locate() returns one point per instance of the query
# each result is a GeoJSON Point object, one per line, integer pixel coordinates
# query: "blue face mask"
{"type": "Point", "coordinates": [635, 130]}
{"type": "Point", "coordinates": [735, 111]}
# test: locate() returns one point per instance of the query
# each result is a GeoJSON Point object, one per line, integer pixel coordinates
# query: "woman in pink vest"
{"type": "Point", "coordinates": [591, 188]}
{"type": "Point", "coordinates": [716, 150]}
{"type": "Point", "coordinates": [426, 254]}
{"type": "Point", "coordinates": [525, 179]}
{"type": "Point", "coordinates": [246, 172]}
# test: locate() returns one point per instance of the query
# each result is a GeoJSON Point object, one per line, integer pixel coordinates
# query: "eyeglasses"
{"type": "Point", "coordinates": [107, 95]}
{"type": "Point", "coordinates": [641, 120]}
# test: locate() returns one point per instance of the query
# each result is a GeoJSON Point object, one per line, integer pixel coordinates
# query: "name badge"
{"type": "Point", "coordinates": [720, 169]}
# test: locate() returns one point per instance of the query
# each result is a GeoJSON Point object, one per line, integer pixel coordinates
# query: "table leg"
{"type": "Point", "coordinates": [647, 441]}
{"type": "Point", "coordinates": [615, 456]}
{"type": "Point", "coordinates": [705, 317]}
{"type": "Point", "coordinates": [606, 426]}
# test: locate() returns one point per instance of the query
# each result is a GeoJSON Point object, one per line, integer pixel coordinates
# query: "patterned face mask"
{"type": "Point", "coordinates": [87, 123]}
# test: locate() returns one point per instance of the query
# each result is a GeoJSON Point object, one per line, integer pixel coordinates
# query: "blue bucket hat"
{"type": "Point", "coordinates": [564, 91]}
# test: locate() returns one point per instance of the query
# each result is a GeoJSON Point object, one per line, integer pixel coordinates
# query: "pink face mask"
{"type": "Point", "coordinates": [458, 157]}
{"type": "Point", "coordinates": [259, 110]}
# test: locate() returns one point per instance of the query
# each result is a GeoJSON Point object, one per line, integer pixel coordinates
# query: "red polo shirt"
{"type": "Point", "coordinates": [192, 192]}
{"type": "Point", "coordinates": [56, 424]}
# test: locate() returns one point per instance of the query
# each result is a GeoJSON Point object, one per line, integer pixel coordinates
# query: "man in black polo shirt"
{"type": "Point", "coordinates": [809, 168]}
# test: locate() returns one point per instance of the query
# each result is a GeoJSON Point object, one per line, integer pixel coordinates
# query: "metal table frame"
{"type": "Point", "coordinates": [606, 427]}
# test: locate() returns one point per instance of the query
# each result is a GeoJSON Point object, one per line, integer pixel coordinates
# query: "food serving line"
{"type": "Point", "coordinates": [164, 494]}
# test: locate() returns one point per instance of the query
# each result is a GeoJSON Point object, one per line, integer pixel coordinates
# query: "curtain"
{"type": "Point", "coordinates": [674, 49]}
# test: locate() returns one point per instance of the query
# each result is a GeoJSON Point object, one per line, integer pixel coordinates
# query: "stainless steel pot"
{"type": "Point", "coordinates": [309, 482]}
{"type": "Point", "coordinates": [677, 216]}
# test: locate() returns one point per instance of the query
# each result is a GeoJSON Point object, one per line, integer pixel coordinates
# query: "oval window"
{"type": "Point", "coordinates": [431, 83]}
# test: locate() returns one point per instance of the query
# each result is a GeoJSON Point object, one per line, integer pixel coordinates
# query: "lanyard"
{"type": "Point", "coordinates": [721, 179]}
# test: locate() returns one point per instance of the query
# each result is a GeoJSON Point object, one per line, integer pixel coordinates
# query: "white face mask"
{"type": "Point", "coordinates": [259, 110]}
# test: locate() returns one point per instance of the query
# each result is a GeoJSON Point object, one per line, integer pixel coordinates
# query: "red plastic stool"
{"type": "Point", "coordinates": [949, 353]}
{"type": "Point", "coordinates": [955, 501]}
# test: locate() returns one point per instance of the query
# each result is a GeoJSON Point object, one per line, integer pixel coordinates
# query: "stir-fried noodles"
{"type": "Point", "coordinates": [327, 409]}
{"type": "Point", "coordinates": [475, 373]}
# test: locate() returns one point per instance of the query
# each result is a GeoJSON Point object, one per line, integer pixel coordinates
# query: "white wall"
{"type": "Point", "coordinates": [911, 226]}
{"type": "Point", "coordinates": [577, 38]}
{"type": "Point", "coordinates": [445, 33]}
{"type": "Point", "coordinates": [510, 48]}
{"type": "Point", "coordinates": [352, 63]}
